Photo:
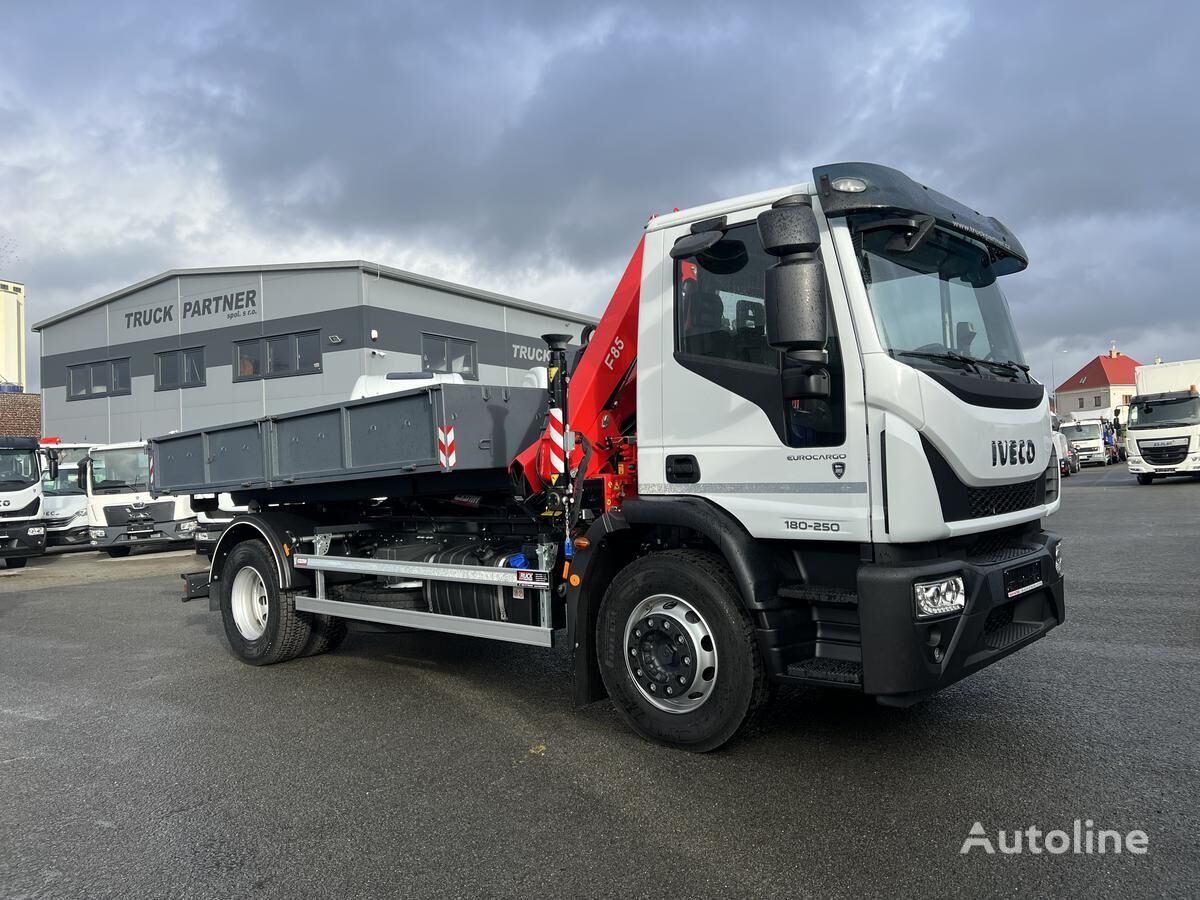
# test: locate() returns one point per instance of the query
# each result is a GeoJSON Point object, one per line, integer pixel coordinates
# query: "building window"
{"type": "Point", "coordinates": [449, 356]}
{"type": "Point", "coordinates": [107, 378]}
{"type": "Point", "coordinates": [1096, 400]}
{"type": "Point", "coordinates": [179, 369]}
{"type": "Point", "coordinates": [1081, 403]}
{"type": "Point", "coordinates": [1128, 398]}
{"type": "Point", "coordinates": [277, 356]}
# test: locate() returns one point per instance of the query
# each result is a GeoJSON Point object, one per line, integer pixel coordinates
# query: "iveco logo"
{"type": "Point", "coordinates": [1012, 453]}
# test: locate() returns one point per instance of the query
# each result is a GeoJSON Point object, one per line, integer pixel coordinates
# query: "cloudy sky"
{"type": "Point", "coordinates": [520, 147]}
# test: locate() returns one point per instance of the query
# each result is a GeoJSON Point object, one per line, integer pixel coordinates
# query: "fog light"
{"type": "Point", "coordinates": [189, 525]}
{"type": "Point", "coordinates": [938, 598]}
{"type": "Point", "coordinates": [1058, 563]}
{"type": "Point", "coordinates": [35, 530]}
{"type": "Point", "coordinates": [96, 533]}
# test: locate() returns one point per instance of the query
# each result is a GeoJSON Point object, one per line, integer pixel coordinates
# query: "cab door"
{"type": "Point", "coordinates": [785, 469]}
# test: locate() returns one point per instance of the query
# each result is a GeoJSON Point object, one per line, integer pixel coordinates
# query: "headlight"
{"type": "Point", "coordinates": [189, 525]}
{"type": "Point", "coordinates": [938, 598]}
{"type": "Point", "coordinates": [1058, 563]}
{"type": "Point", "coordinates": [96, 533]}
{"type": "Point", "coordinates": [36, 530]}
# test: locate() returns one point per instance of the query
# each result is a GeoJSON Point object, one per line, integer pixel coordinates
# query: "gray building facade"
{"type": "Point", "coordinates": [198, 347]}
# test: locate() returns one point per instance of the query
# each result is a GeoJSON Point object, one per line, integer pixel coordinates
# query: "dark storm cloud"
{"type": "Point", "coordinates": [531, 135]}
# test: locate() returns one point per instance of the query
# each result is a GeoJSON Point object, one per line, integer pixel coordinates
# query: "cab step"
{"type": "Point", "coordinates": [822, 670]}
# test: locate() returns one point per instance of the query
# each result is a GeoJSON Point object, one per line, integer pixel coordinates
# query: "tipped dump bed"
{"type": "Point", "coordinates": [367, 440]}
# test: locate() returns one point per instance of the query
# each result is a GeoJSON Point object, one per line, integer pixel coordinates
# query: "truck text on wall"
{"type": "Point", "coordinates": [234, 305]}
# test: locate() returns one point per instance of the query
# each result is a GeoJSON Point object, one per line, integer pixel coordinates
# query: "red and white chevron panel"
{"type": "Point", "coordinates": [558, 457]}
{"type": "Point", "coordinates": [446, 455]}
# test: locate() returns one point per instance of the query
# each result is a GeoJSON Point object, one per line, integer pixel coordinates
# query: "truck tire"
{"type": "Point", "coordinates": [261, 621]}
{"type": "Point", "coordinates": [328, 632]}
{"type": "Point", "coordinates": [1145, 479]}
{"type": "Point", "coordinates": [118, 552]}
{"type": "Point", "coordinates": [677, 652]}
{"type": "Point", "coordinates": [17, 562]}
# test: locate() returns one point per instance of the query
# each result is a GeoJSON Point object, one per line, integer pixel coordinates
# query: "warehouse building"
{"type": "Point", "coordinates": [196, 347]}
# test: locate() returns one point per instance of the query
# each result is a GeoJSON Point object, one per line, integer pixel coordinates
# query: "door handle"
{"type": "Point", "coordinates": [683, 470]}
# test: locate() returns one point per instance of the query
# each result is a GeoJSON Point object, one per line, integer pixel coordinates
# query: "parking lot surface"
{"type": "Point", "coordinates": [139, 759]}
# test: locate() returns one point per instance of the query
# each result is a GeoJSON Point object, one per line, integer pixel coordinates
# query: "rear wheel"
{"type": "Point", "coordinates": [261, 621]}
{"type": "Point", "coordinates": [118, 552]}
{"type": "Point", "coordinates": [677, 652]}
{"type": "Point", "coordinates": [328, 632]}
{"type": "Point", "coordinates": [1145, 479]}
{"type": "Point", "coordinates": [16, 562]}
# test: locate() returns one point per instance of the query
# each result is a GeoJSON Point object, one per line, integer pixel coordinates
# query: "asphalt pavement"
{"type": "Point", "coordinates": [139, 759]}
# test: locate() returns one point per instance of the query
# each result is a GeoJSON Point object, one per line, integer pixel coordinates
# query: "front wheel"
{"type": "Point", "coordinates": [17, 562]}
{"type": "Point", "coordinates": [118, 552]}
{"type": "Point", "coordinates": [677, 652]}
{"type": "Point", "coordinates": [261, 621]}
{"type": "Point", "coordinates": [1145, 479]}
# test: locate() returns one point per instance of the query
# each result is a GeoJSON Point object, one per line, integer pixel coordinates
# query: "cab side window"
{"type": "Point", "coordinates": [720, 334]}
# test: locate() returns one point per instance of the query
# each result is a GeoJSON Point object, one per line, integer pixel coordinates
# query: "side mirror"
{"type": "Point", "coordinates": [52, 464]}
{"type": "Point", "coordinates": [81, 474]}
{"type": "Point", "coordinates": [796, 313]}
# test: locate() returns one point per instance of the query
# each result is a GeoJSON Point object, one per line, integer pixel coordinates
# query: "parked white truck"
{"type": "Point", "coordinates": [65, 511]}
{"type": "Point", "coordinates": [1162, 437]}
{"type": "Point", "coordinates": [121, 513]}
{"type": "Point", "coordinates": [22, 532]}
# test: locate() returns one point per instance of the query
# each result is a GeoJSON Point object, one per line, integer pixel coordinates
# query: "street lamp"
{"type": "Point", "coordinates": [1054, 384]}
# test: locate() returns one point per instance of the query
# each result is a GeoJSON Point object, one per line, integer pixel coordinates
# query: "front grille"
{"type": "Point", "coordinates": [1164, 456]}
{"type": "Point", "coordinates": [1005, 498]}
{"type": "Point", "coordinates": [997, 548]}
{"type": "Point", "coordinates": [960, 501]}
{"type": "Point", "coordinates": [148, 514]}
{"type": "Point", "coordinates": [29, 509]}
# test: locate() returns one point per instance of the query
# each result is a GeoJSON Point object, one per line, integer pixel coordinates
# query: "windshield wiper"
{"type": "Point", "coordinates": [965, 361]}
{"type": "Point", "coordinates": [1008, 365]}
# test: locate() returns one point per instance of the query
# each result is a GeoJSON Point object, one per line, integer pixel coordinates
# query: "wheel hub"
{"type": "Point", "coordinates": [249, 603]}
{"type": "Point", "coordinates": [670, 653]}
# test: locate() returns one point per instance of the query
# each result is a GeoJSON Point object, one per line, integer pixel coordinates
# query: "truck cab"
{"type": "Point", "coordinates": [1163, 435]}
{"type": "Point", "coordinates": [65, 505]}
{"type": "Point", "coordinates": [121, 512]}
{"type": "Point", "coordinates": [22, 465]}
{"type": "Point", "coordinates": [1088, 439]}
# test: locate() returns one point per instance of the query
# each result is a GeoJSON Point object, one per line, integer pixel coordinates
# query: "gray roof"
{"type": "Point", "coordinates": [369, 268]}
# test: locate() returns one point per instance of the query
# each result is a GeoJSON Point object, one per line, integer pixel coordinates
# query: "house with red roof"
{"type": "Point", "coordinates": [1105, 382]}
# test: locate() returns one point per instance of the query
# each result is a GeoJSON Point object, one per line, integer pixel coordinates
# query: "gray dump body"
{"type": "Point", "coordinates": [375, 438]}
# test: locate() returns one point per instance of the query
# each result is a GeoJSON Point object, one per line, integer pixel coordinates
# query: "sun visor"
{"type": "Point", "coordinates": [847, 188]}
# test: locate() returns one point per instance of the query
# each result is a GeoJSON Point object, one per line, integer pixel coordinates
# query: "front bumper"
{"type": "Point", "coordinates": [1093, 457]}
{"type": "Point", "coordinates": [17, 542]}
{"type": "Point", "coordinates": [1014, 596]}
{"type": "Point", "coordinates": [157, 534]}
{"type": "Point", "coordinates": [1189, 466]}
{"type": "Point", "coordinates": [67, 537]}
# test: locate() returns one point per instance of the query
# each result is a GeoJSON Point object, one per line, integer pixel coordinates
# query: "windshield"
{"type": "Point", "coordinates": [68, 468]}
{"type": "Point", "coordinates": [18, 468]}
{"type": "Point", "coordinates": [1165, 413]}
{"type": "Point", "coordinates": [118, 471]}
{"type": "Point", "coordinates": [939, 304]}
{"type": "Point", "coordinates": [1082, 432]}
